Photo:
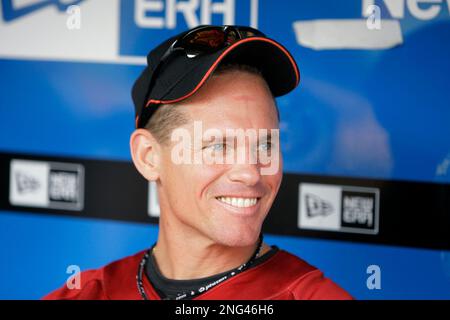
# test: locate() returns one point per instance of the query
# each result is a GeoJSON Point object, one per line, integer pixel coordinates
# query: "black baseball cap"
{"type": "Point", "coordinates": [181, 76]}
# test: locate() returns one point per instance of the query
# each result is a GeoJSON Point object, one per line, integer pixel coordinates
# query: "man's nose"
{"type": "Point", "coordinates": [249, 174]}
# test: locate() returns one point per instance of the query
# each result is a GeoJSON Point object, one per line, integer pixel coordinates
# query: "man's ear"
{"type": "Point", "coordinates": [145, 152]}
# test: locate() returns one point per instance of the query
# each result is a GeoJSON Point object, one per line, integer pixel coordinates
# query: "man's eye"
{"type": "Point", "coordinates": [265, 146]}
{"type": "Point", "coordinates": [216, 147]}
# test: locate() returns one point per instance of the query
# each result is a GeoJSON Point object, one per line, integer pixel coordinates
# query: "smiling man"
{"type": "Point", "coordinates": [207, 135]}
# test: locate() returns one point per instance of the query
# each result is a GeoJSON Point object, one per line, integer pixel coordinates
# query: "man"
{"type": "Point", "coordinates": [199, 92]}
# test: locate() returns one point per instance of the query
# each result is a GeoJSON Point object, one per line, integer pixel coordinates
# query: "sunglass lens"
{"type": "Point", "coordinates": [232, 37]}
{"type": "Point", "coordinates": [247, 32]}
{"type": "Point", "coordinates": [206, 39]}
{"type": "Point", "coordinates": [213, 39]}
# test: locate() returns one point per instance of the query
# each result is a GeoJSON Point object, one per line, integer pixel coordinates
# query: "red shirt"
{"type": "Point", "coordinates": [282, 277]}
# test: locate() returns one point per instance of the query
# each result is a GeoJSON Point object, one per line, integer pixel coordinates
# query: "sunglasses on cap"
{"type": "Point", "coordinates": [208, 39]}
{"type": "Point", "coordinates": [204, 40]}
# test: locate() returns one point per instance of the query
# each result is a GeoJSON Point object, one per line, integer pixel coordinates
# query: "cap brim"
{"type": "Point", "coordinates": [275, 62]}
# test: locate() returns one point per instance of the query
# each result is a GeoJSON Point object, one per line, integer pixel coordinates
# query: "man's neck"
{"type": "Point", "coordinates": [183, 258]}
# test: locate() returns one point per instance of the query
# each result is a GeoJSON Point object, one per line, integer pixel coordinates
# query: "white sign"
{"type": "Point", "coordinates": [338, 208]}
{"type": "Point", "coordinates": [41, 184]}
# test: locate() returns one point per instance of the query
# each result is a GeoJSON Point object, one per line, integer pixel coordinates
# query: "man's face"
{"type": "Point", "coordinates": [225, 202]}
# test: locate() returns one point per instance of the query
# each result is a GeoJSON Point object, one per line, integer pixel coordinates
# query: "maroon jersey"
{"type": "Point", "coordinates": [282, 277]}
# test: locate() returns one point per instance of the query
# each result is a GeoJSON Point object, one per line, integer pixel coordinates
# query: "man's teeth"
{"type": "Point", "coordinates": [239, 202]}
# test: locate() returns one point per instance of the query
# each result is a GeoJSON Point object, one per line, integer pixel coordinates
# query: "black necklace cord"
{"type": "Point", "coordinates": [202, 289]}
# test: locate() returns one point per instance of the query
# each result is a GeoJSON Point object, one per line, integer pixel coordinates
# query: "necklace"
{"type": "Point", "coordinates": [188, 295]}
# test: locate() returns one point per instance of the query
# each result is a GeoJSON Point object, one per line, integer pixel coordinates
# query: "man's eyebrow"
{"type": "Point", "coordinates": [213, 138]}
{"type": "Point", "coordinates": [233, 138]}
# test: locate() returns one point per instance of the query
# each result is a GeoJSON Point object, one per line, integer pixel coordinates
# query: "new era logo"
{"type": "Point", "coordinates": [338, 208]}
{"type": "Point", "coordinates": [26, 183]}
{"type": "Point", "coordinates": [316, 206]}
{"type": "Point", "coordinates": [42, 184]}
{"type": "Point", "coordinates": [63, 186]}
{"type": "Point", "coordinates": [358, 209]}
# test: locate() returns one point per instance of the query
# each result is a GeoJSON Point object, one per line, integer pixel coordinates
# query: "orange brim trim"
{"type": "Point", "coordinates": [218, 60]}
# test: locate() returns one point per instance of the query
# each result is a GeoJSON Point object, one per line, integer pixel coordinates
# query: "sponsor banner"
{"type": "Point", "coordinates": [338, 208]}
{"type": "Point", "coordinates": [73, 187]}
{"type": "Point", "coordinates": [71, 30]}
{"type": "Point", "coordinates": [115, 31]}
{"type": "Point", "coordinates": [404, 213]}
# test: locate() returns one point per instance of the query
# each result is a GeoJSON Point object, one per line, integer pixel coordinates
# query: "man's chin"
{"type": "Point", "coordinates": [234, 228]}
{"type": "Point", "coordinates": [237, 236]}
